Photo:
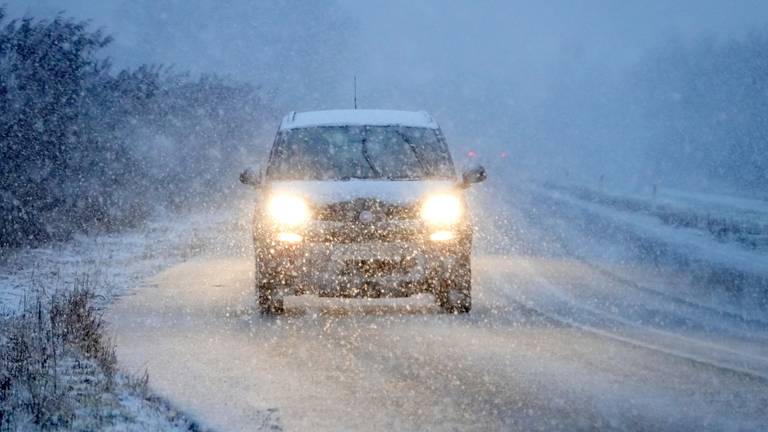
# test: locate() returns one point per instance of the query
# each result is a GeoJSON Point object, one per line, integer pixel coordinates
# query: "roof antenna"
{"type": "Point", "coordinates": [355, 91]}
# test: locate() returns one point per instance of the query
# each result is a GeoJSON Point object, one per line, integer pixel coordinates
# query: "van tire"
{"type": "Point", "coordinates": [453, 292]}
{"type": "Point", "coordinates": [270, 300]}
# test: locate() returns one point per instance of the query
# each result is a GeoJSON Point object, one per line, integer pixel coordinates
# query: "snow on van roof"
{"type": "Point", "coordinates": [358, 117]}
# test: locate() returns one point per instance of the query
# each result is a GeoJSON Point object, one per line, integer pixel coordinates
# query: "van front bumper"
{"type": "Point", "coordinates": [361, 269]}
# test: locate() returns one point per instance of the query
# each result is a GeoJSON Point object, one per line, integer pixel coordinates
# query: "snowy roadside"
{"type": "Point", "coordinates": [107, 266]}
{"type": "Point", "coordinates": [692, 239]}
{"type": "Point", "coordinates": [731, 275]}
{"type": "Point", "coordinates": [726, 219]}
{"type": "Point", "coordinates": [58, 371]}
{"type": "Point", "coordinates": [115, 262]}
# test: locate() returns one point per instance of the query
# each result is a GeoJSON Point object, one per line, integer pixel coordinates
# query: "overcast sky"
{"type": "Point", "coordinates": [480, 66]}
{"type": "Point", "coordinates": [405, 42]}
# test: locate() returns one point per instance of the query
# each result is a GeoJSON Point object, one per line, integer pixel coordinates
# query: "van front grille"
{"type": "Point", "coordinates": [376, 211]}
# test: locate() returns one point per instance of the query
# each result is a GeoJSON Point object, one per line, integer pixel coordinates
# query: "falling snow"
{"type": "Point", "coordinates": [359, 215]}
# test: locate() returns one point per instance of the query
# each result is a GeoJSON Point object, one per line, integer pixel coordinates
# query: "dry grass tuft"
{"type": "Point", "coordinates": [54, 359]}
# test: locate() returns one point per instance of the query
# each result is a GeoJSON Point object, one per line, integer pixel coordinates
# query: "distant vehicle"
{"type": "Point", "coordinates": [362, 203]}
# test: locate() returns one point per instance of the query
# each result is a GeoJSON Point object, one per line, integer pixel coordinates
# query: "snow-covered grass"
{"type": "Point", "coordinates": [58, 370]}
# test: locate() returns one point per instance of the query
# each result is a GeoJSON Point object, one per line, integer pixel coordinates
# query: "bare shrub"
{"type": "Point", "coordinates": [53, 357]}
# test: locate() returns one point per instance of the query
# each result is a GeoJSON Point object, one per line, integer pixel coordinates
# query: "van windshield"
{"type": "Point", "coordinates": [360, 152]}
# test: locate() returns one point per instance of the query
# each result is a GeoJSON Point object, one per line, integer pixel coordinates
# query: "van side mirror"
{"type": "Point", "coordinates": [250, 177]}
{"type": "Point", "coordinates": [475, 174]}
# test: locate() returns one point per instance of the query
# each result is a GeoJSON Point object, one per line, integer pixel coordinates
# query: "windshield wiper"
{"type": "Point", "coordinates": [351, 177]}
{"type": "Point", "coordinates": [368, 159]}
{"type": "Point", "coordinates": [403, 177]}
{"type": "Point", "coordinates": [424, 167]}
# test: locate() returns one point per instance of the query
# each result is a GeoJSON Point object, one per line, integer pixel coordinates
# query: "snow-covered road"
{"type": "Point", "coordinates": [556, 341]}
{"type": "Point", "coordinates": [384, 365]}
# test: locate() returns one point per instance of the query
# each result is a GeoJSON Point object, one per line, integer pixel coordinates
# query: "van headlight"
{"type": "Point", "coordinates": [288, 210]}
{"type": "Point", "coordinates": [442, 209]}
